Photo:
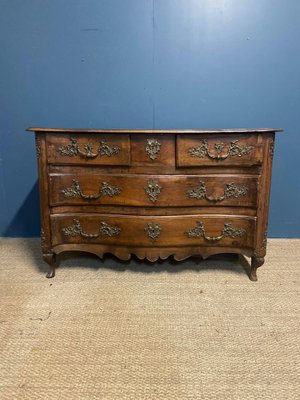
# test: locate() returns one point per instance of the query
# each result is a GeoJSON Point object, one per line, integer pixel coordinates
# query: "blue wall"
{"type": "Point", "coordinates": [147, 64]}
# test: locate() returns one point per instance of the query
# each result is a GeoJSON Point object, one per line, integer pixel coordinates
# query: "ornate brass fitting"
{"type": "Point", "coordinates": [152, 230]}
{"type": "Point", "coordinates": [104, 230]}
{"type": "Point", "coordinates": [231, 190]}
{"type": "Point", "coordinates": [152, 189]}
{"type": "Point", "coordinates": [152, 147]}
{"type": "Point", "coordinates": [73, 149]}
{"type": "Point", "coordinates": [105, 190]}
{"type": "Point", "coordinates": [234, 150]}
{"type": "Point", "coordinates": [228, 231]}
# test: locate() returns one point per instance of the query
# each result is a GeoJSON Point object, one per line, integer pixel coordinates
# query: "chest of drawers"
{"type": "Point", "coordinates": [154, 193]}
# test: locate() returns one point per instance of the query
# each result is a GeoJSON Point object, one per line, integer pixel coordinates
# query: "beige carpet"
{"type": "Point", "coordinates": [190, 330]}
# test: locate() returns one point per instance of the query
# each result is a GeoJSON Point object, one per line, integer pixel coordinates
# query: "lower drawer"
{"type": "Point", "coordinates": [153, 190]}
{"type": "Point", "coordinates": [128, 230]}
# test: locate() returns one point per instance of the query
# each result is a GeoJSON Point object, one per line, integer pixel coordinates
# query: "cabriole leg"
{"type": "Point", "coordinates": [50, 260]}
{"type": "Point", "coordinates": [256, 262]}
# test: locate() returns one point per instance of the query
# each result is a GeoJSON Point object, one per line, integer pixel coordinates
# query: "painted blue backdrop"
{"type": "Point", "coordinates": [147, 64]}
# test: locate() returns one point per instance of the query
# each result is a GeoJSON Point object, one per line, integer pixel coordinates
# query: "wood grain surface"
{"type": "Point", "coordinates": [155, 193]}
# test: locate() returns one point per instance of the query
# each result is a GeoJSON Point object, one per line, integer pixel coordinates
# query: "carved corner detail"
{"type": "Point", "coordinates": [43, 240]}
{"type": "Point", "coordinates": [265, 240]}
{"type": "Point", "coordinates": [38, 147]}
{"type": "Point", "coordinates": [271, 149]}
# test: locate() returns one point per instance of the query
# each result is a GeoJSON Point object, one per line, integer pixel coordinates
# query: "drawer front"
{"type": "Point", "coordinates": [88, 149]}
{"type": "Point", "coordinates": [218, 150]}
{"type": "Point", "coordinates": [153, 150]}
{"type": "Point", "coordinates": [153, 190]}
{"type": "Point", "coordinates": [194, 230]}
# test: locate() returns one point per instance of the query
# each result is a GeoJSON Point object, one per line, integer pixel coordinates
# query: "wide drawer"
{"type": "Point", "coordinates": [192, 230]}
{"type": "Point", "coordinates": [218, 150]}
{"type": "Point", "coordinates": [88, 149]}
{"type": "Point", "coordinates": [152, 190]}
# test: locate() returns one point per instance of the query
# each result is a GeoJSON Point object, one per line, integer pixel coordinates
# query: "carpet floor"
{"type": "Point", "coordinates": [110, 330]}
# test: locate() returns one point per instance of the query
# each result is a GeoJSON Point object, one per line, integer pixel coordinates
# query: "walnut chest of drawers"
{"type": "Point", "coordinates": [154, 193]}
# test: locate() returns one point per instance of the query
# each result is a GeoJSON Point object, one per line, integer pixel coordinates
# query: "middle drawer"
{"type": "Point", "coordinates": [153, 190]}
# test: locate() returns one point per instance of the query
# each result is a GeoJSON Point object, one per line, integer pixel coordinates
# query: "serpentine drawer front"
{"type": "Point", "coordinates": [154, 193]}
{"type": "Point", "coordinates": [152, 190]}
{"type": "Point", "coordinates": [143, 231]}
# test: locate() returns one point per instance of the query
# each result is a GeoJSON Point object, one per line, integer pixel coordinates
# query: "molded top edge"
{"type": "Point", "coordinates": [153, 131]}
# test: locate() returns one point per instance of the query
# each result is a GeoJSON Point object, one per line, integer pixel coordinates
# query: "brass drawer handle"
{"type": "Point", "coordinates": [234, 150]}
{"type": "Point", "coordinates": [152, 147]}
{"type": "Point", "coordinates": [104, 230]}
{"type": "Point", "coordinates": [73, 149]}
{"type": "Point", "coordinates": [105, 190]}
{"type": "Point", "coordinates": [152, 230]}
{"type": "Point", "coordinates": [231, 190]}
{"type": "Point", "coordinates": [228, 231]}
{"type": "Point", "coordinates": [152, 189]}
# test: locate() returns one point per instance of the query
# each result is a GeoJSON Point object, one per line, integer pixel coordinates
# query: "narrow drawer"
{"type": "Point", "coordinates": [153, 150]}
{"type": "Point", "coordinates": [218, 149]}
{"type": "Point", "coordinates": [152, 190]}
{"type": "Point", "coordinates": [88, 149]}
{"type": "Point", "coordinates": [193, 230]}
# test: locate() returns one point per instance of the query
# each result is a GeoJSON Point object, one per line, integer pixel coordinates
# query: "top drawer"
{"type": "Point", "coordinates": [218, 149]}
{"type": "Point", "coordinates": [153, 150]}
{"type": "Point", "coordinates": [94, 149]}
